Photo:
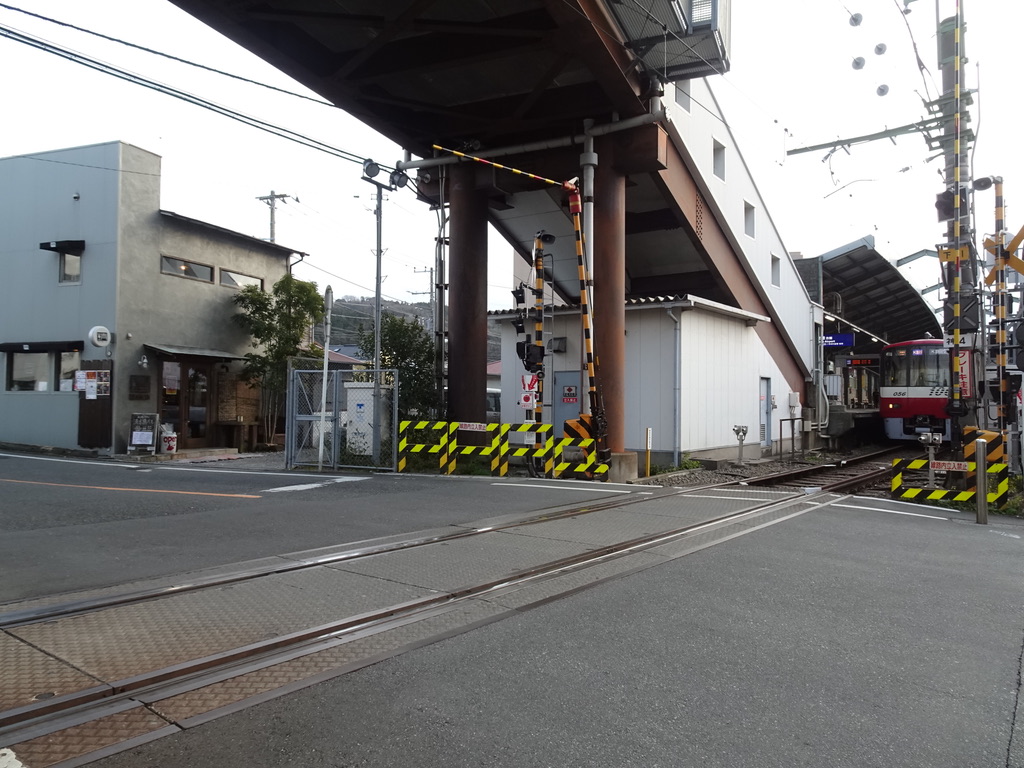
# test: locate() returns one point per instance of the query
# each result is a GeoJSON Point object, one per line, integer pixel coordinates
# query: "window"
{"type": "Point", "coordinates": [70, 268]}
{"type": "Point", "coordinates": [683, 94]}
{"type": "Point", "coordinates": [28, 371]}
{"type": "Point", "coordinates": [68, 364]}
{"type": "Point", "coordinates": [776, 271]}
{"type": "Point", "coordinates": [238, 280]}
{"type": "Point", "coordinates": [190, 269]}
{"type": "Point", "coordinates": [749, 220]}
{"type": "Point", "coordinates": [718, 156]}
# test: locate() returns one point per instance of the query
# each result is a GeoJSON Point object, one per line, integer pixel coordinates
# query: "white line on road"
{"type": "Point", "coordinates": [311, 486]}
{"type": "Point", "coordinates": [9, 760]}
{"type": "Point", "coordinates": [889, 511]}
{"type": "Point", "coordinates": [561, 488]}
{"type": "Point", "coordinates": [726, 498]}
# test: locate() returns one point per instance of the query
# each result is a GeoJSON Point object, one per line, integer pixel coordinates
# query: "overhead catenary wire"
{"type": "Point", "coordinates": [169, 56]}
{"type": "Point", "coordinates": [131, 77]}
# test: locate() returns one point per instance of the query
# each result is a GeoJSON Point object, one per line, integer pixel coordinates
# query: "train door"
{"type": "Point", "coordinates": [766, 412]}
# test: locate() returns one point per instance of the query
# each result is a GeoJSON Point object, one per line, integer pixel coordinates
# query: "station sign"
{"type": "Point", "coordinates": [838, 340]}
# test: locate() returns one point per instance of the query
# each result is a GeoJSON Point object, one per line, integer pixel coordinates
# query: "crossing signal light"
{"type": "Point", "coordinates": [944, 205]}
{"type": "Point", "coordinates": [531, 354]}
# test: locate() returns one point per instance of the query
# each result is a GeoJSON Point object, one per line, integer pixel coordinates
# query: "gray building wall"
{"type": "Point", "coordinates": [109, 196]}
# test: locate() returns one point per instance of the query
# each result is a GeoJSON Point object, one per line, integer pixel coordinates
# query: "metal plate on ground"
{"type": "Point", "coordinates": [313, 667]}
{"type": "Point", "coordinates": [28, 675]}
{"type": "Point", "coordinates": [609, 526]}
{"type": "Point", "coordinates": [130, 725]}
{"type": "Point", "coordinates": [122, 642]}
{"type": "Point", "coordinates": [464, 562]}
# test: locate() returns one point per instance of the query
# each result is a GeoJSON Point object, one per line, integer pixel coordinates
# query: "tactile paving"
{"type": "Point", "coordinates": [122, 642]}
{"type": "Point", "coordinates": [27, 673]}
{"type": "Point", "coordinates": [79, 740]}
{"type": "Point", "coordinates": [464, 562]}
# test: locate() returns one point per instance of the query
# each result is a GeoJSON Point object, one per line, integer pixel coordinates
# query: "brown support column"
{"type": "Point", "coordinates": [610, 291]}
{"type": "Point", "coordinates": [467, 297]}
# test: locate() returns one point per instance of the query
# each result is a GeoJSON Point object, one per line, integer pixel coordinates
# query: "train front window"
{"type": "Point", "coordinates": [916, 367]}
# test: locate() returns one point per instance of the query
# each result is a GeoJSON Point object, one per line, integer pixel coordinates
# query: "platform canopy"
{"type": "Point", "coordinates": [863, 292]}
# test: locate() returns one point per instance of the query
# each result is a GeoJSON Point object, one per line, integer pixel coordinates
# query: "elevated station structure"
{"type": "Point", "coordinates": [618, 93]}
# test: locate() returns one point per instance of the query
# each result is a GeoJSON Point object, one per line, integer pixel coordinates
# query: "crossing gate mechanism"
{"type": "Point", "coordinates": [440, 439]}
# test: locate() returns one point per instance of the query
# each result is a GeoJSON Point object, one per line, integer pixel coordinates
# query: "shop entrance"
{"type": "Point", "coordinates": [185, 401]}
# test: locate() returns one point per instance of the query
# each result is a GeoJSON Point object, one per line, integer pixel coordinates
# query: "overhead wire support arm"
{"type": "Point", "coordinates": [920, 126]}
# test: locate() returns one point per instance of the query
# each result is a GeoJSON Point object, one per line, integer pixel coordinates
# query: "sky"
{"type": "Point", "coordinates": [791, 85]}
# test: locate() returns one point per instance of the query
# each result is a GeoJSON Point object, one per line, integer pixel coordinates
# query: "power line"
{"type": "Point", "coordinates": [167, 90]}
{"type": "Point", "coordinates": [166, 55]}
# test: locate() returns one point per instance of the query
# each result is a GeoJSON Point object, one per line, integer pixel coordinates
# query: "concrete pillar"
{"type": "Point", "coordinates": [467, 297]}
{"type": "Point", "coordinates": [610, 291]}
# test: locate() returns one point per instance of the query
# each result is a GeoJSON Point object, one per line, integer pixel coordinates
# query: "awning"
{"type": "Point", "coordinates": [175, 351]}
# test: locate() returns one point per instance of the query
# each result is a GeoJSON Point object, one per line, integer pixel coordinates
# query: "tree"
{"type": "Point", "coordinates": [278, 322]}
{"type": "Point", "coordinates": [407, 347]}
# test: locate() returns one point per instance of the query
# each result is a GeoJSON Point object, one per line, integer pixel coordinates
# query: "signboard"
{"type": "Point", "coordinates": [472, 426]}
{"type": "Point", "coordinates": [527, 399]}
{"type": "Point", "coordinates": [530, 382]}
{"type": "Point", "coordinates": [950, 466]}
{"type": "Point", "coordinates": [570, 394]}
{"type": "Point", "coordinates": [143, 432]}
{"type": "Point", "coordinates": [838, 340]}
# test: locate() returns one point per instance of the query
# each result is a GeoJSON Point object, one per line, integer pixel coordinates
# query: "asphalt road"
{"type": "Point", "coordinates": [69, 524]}
{"type": "Point", "coordinates": [841, 637]}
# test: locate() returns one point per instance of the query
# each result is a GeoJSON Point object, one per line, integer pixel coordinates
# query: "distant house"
{"type": "Point", "coordinates": [113, 307]}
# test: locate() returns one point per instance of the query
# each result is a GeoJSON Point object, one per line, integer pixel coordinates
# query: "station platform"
{"type": "Point", "coordinates": [168, 654]}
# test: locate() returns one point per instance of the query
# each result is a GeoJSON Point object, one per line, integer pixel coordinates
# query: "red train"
{"type": "Point", "coordinates": [914, 388]}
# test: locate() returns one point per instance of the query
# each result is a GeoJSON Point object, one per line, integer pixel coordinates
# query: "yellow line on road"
{"type": "Point", "coordinates": [137, 490]}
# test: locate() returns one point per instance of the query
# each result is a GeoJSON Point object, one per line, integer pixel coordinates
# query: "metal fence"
{"type": "Point", "coordinates": [356, 427]}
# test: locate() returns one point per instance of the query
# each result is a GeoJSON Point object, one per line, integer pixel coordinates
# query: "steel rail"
{"type": "Point", "coordinates": [302, 642]}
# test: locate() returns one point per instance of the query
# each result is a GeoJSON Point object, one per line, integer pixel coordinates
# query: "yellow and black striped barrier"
{"type": "Point", "coordinates": [998, 483]}
{"type": "Point", "coordinates": [445, 445]}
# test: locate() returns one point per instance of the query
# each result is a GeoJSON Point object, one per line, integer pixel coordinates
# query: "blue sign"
{"type": "Point", "coordinates": [839, 340]}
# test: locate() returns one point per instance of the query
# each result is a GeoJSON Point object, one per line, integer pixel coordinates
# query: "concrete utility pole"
{"type": "Point", "coordinates": [431, 293]}
{"type": "Point", "coordinates": [271, 200]}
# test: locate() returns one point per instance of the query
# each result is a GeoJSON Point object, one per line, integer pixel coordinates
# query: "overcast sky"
{"type": "Point", "coordinates": [791, 85]}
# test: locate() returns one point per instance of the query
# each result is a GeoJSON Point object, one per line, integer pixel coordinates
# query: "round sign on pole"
{"type": "Point", "coordinates": [527, 399]}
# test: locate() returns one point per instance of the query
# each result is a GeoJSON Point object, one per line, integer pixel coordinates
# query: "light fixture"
{"type": "Point", "coordinates": [519, 294]}
{"type": "Point", "coordinates": [143, 362]}
{"type": "Point", "coordinates": [398, 179]}
{"type": "Point", "coordinates": [370, 168]}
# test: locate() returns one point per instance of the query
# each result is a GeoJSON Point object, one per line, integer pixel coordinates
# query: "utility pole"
{"type": "Point", "coordinates": [271, 200]}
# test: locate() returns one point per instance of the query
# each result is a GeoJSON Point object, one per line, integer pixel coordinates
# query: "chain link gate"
{"type": "Point", "coordinates": [352, 436]}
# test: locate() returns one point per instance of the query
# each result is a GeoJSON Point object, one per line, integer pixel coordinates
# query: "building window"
{"type": "Point", "coordinates": [718, 156]}
{"type": "Point", "coordinates": [70, 268]}
{"type": "Point", "coordinates": [28, 371]}
{"type": "Point", "coordinates": [238, 280]}
{"type": "Point", "coordinates": [68, 365]}
{"type": "Point", "coordinates": [188, 269]}
{"type": "Point", "coordinates": [749, 220]}
{"type": "Point", "coordinates": [683, 94]}
{"type": "Point", "coordinates": [776, 271]}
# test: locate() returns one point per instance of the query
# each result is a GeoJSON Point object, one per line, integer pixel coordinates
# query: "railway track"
{"type": "Point", "coordinates": [53, 712]}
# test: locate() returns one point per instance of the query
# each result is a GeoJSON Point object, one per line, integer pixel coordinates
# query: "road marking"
{"type": "Point", "coordinates": [889, 511]}
{"type": "Point", "coordinates": [561, 488]}
{"type": "Point", "coordinates": [311, 486]}
{"type": "Point", "coordinates": [136, 490]}
{"type": "Point", "coordinates": [9, 760]}
{"type": "Point", "coordinates": [726, 498]}
{"type": "Point", "coordinates": [139, 467]}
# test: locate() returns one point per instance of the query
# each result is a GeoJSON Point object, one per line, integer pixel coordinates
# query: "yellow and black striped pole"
{"type": "Point", "coordinates": [538, 323]}
{"type": "Point", "coordinates": [597, 416]}
{"type": "Point", "coordinates": [999, 305]}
